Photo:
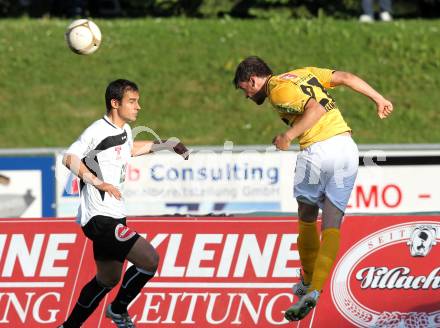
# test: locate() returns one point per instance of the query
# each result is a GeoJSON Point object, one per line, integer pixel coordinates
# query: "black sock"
{"type": "Point", "coordinates": [88, 301]}
{"type": "Point", "coordinates": [133, 282]}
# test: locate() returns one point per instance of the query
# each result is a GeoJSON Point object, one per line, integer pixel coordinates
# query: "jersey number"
{"type": "Point", "coordinates": [308, 90]}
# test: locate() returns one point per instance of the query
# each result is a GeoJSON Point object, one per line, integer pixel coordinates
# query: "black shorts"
{"type": "Point", "coordinates": [112, 239]}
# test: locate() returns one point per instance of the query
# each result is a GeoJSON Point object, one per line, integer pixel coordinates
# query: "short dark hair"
{"type": "Point", "coordinates": [116, 90]}
{"type": "Point", "coordinates": [252, 65]}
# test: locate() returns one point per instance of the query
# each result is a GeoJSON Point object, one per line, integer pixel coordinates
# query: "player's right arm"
{"type": "Point", "coordinates": [72, 160]}
{"type": "Point", "coordinates": [77, 167]}
{"type": "Point", "coordinates": [384, 106]}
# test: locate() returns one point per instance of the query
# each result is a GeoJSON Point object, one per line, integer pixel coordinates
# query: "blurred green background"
{"type": "Point", "coordinates": [184, 67]}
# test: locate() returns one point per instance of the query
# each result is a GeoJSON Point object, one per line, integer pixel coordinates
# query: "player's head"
{"type": "Point", "coordinates": [251, 76]}
{"type": "Point", "coordinates": [123, 96]}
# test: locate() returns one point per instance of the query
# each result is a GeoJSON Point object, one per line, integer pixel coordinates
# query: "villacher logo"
{"type": "Point", "coordinates": [391, 278]}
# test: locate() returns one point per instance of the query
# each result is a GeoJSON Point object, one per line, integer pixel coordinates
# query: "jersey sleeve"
{"type": "Point", "coordinates": [83, 145]}
{"type": "Point", "coordinates": [289, 97]}
{"type": "Point", "coordinates": [324, 75]}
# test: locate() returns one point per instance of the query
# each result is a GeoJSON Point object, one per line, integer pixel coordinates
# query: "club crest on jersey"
{"type": "Point", "coordinates": [123, 233]}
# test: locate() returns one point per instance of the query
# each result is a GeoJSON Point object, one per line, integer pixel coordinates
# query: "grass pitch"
{"type": "Point", "coordinates": [184, 69]}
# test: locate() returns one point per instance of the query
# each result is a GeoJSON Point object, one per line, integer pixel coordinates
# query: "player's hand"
{"type": "Point", "coordinates": [384, 108]}
{"type": "Point", "coordinates": [110, 189]}
{"type": "Point", "coordinates": [282, 141]}
{"type": "Point", "coordinates": [181, 149]}
{"type": "Point", "coordinates": [172, 144]}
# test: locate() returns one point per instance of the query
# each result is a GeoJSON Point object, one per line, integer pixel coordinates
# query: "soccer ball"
{"type": "Point", "coordinates": [83, 37]}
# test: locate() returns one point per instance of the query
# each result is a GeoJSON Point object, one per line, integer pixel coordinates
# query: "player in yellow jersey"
{"type": "Point", "coordinates": [327, 163]}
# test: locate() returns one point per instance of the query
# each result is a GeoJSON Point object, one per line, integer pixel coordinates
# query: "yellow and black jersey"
{"type": "Point", "coordinates": [289, 93]}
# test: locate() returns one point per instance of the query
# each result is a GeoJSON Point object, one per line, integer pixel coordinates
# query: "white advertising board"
{"type": "Point", "coordinates": [252, 181]}
{"type": "Point", "coordinates": [21, 196]}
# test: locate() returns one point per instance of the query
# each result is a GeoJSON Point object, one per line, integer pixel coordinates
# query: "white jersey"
{"type": "Point", "coordinates": [105, 149]}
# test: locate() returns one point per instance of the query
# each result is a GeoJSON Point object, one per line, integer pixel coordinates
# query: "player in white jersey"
{"type": "Point", "coordinates": [99, 157]}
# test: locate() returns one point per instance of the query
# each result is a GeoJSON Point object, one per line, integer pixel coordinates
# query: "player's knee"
{"type": "Point", "coordinates": [307, 212]}
{"type": "Point", "coordinates": [110, 281]}
{"type": "Point", "coordinates": [150, 262]}
{"type": "Point", "coordinates": [333, 222]}
{"type": "Point", "coordinates": [154, 261]}
{"type": "Point", "coordinates": [332, 216]}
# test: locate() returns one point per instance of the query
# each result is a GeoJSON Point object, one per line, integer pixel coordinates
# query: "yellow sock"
{"type": "Point", "coordinates": [308, 247]}
{"type": "Point", "coordinates": [326, 257]}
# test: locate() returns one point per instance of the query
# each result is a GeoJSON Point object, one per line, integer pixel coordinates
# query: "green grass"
{"type": "Point", "coordinates": [184, 69]}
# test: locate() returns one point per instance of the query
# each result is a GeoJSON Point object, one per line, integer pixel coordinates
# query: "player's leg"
{"type": "Point", "coordinates": [385, 10]}
{"type": "Point", "coordinates": [145, 261]}
{"type": "Point", "coordinates": [341, 167]}
{"type": "Point", "coordinates": [331, 222]}
{"type": "Point", "coordinates": [308, 247]}
{"type": "Point", "coordinates": [308, 239]}
{"type": "Point", "coordinates": [308, 192]}
{"type": "Point", "coordinates": [338, 175]}
{"type": "Point", "coordinates": [108, 275]}
{"type": "Point", "coordinates": [385, 5]}
{"type": "Point", "coordinates": [325, 258]}
{"type": "Point", "coordinates": [368, 8]}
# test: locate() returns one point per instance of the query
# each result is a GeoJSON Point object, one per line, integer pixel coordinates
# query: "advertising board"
{"type": "Point", "coordinates": [229, 272]}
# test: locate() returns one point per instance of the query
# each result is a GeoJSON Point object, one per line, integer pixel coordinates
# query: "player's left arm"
{"type": "Point", "coordinates": [142, 147]}
{"type": "Point", "coordinates": [384, 106]}
{"type": "Point", "coordinates": [313, 112]}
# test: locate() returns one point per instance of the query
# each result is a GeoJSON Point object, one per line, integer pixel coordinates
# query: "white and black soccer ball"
{"type": "Point", "coordinates": [83, 36]}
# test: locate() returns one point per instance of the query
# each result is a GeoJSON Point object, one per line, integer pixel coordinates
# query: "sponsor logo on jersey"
{"type": "Point", "coordinates": [380, 267]}
{"type": "Point", "coordinates": [288, 76]}
{"type": "Point", "coordinates": [288, 109]}
{"type": "Point", "coordinates": [123, 233]}
{"type": "Point", "coordinates": [118, 152]}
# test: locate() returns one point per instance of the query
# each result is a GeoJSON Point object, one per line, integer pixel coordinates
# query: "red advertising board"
{"type": "Point", "coordinates": [387, 275]}
{"type": "Point", "coordinates": [229, 272]}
